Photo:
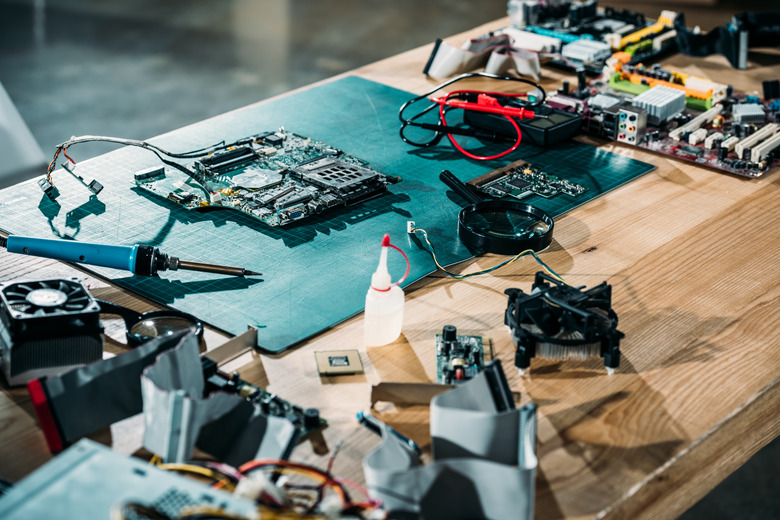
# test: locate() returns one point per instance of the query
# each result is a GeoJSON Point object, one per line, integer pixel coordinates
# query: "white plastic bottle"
{"type": "Point", "coordinates": [384, 314]}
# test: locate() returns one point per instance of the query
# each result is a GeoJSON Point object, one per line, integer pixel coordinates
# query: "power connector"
{"type": "Point", "coordinates": [410, 227]}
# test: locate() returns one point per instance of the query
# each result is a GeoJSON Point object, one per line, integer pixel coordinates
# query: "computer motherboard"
{"type": "Point", "coordinates": [276, 177]}
{"type": "Point", "coordinates": [685, 117]}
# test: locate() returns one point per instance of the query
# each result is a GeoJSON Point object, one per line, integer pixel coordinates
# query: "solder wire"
{"type": "Point", "coordinates": [527, 252]}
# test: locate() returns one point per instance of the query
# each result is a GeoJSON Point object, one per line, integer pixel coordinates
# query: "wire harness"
{"type": "Point", "coordinates": [512, 106]}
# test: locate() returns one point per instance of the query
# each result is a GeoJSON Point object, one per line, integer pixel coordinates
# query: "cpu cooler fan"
{"type": "Point", "coordinates": [47, 327]}
{"type": "Point", "coordinates": [558, 321]}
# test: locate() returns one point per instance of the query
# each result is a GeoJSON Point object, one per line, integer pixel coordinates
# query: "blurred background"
{"type": "Point", "coordinates": [140, 68]}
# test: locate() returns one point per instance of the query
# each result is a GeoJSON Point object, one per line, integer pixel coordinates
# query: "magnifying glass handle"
{"type": "Point", "coordinates": [458, 187]}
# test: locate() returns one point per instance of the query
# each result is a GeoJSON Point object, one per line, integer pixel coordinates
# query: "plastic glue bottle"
{"type": "Point", "coordinates": [384, 314]}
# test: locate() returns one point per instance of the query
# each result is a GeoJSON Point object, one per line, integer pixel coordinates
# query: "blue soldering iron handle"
{"type": "Point", "coordinates": [118, 257]}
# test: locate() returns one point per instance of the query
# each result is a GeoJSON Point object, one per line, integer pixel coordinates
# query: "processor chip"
{"type": "Point", "coordinates": [337, 362]}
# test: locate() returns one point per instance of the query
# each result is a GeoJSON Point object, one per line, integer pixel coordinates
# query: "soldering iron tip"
{"type": "Point", "coordinates": [247, 272]}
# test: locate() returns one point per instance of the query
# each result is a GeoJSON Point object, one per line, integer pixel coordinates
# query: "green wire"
{"type": "Point", "coordinates": [527, 252]}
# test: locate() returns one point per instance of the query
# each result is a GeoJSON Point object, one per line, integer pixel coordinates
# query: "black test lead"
{"type": "Point", "coordinates": [139, 259]}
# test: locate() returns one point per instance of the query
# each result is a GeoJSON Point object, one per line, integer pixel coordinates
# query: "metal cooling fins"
{"type": "Point", "coordinates": [562, 322]}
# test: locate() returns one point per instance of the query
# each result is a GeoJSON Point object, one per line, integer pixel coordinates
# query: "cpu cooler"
{"type": "Point", "coordinates": [47, 327]}
{"type": "Point", "coordinates": [559, 321]}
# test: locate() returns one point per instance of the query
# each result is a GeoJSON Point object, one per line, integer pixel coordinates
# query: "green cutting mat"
{"type": "Point", "coordinates": [315, 274]}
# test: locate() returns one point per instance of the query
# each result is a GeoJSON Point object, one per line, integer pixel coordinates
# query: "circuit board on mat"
{"type": "Point", "coordinates": [520, 179]}
{"type": "Point", "coordinates": [461, 360]}
{"type": "Point", "coordinates": [691, 119]}
{"type": "Point", "coordinates": [277, 177]}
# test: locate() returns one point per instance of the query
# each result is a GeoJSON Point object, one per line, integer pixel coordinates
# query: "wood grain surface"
{"type": "Point", "coordinates": [692, 256]}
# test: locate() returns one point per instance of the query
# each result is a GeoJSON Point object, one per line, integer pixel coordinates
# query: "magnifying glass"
{"type": "Point", "coordinates": [142, 327]}
{"type": "Point", "coordinates": [503, 227]}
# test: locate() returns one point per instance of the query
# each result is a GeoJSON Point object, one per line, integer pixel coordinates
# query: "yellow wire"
{"type": "Point", "coordinates": [507, 262]}
{"type": "Point", "coordinates": [197, 470]}
{"type": "Point", "coordinates": [155, 460]}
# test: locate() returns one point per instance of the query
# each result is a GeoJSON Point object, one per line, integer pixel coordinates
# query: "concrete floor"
{"type": "Point", "coordinates": [139, 68]}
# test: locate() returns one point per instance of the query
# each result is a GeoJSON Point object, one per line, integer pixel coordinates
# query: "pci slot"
{"type": "Point", "coordinates": [754, 139]}
{"type": "Point", "coordinates": [696, 122]}
{"type": "Point", "coordinates": [760, 151]}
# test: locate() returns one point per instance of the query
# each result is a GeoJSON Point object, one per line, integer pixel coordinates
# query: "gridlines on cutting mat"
{"type": "Point", "coordinates": [315, 274]}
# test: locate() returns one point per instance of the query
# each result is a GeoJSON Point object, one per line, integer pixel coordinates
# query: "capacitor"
{"type": "Point", "coordinates": [449, 336]}
{"type": "Point", "coordinates": [723, 152]}
{"type": "Point", "coordinates": [311, 418]}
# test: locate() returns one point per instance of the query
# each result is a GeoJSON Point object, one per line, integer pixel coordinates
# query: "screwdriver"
{"type": "Point", "coordinates": [138, 259]}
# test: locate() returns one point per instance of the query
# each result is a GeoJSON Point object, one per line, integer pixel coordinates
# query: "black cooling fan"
{"type": "Point", "coordinates": [558, 321]}
{"type": "Point", "coordinates": [47, 327]}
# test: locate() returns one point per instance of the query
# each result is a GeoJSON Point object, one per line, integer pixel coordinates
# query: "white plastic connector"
{"type": "Point", "coordinates": [410, 227]}
{"type": "Point", "coordinates": [215, 198]}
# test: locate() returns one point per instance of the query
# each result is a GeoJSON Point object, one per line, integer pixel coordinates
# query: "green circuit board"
{"type": "Point", "coordinates": [275, 177]}
{"type": "Point", "coordinates": [461, 360]}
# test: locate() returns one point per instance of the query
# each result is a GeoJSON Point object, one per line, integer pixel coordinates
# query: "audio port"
{"type": "Point", "coordinates": [622, 136]}
{"type": "Point", "coordinates": [622, 126]}
{"type": "Point", "coordinates": [631, 128]}
{"type": "Point", "coordinates": [630, 139]}
{"type": "Point", "coordinates": [622, 115]}
{"type": "Point", "coordinates": [632, 118]}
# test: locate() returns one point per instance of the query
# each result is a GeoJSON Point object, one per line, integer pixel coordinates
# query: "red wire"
{"type": "Point", "coordinates": [67, 156]}
{"type": "Point", "coordinates": [469, 154]}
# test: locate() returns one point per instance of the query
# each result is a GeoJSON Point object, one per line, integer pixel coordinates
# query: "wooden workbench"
{"type": "Point", "coordinates": [692, 256]}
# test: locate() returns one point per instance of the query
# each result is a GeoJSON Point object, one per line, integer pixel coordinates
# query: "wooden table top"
{"type": "Point", "coordinates": [692, 256]}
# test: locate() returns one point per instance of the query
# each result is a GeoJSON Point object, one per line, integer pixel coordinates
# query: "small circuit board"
{"type": "Point", "coordinates": [688, 118]}
{"type": "Point", "coordinates": [307, 420]}
{"type": "Point", "coordinates": [520, 179]}
{"type": "Point", "coordinates": [459, 357]}
{"type": "Point", "coordinates": [275, 177]}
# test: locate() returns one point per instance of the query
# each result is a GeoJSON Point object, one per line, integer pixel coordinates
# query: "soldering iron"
{"type": "Point", "coordinates": [139, 259]}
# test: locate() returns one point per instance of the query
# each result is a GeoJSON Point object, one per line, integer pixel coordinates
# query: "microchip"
{"type": "Point", "coordinates": [519, 183]}
{"type": "Point", "coordinates": [692, 150]}
{"type": "Point", "coordinates": [338, 362]}
{"type": "Point", "coordinates": [273, 140]}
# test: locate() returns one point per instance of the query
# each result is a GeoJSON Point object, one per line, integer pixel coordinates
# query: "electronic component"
{"type": "Point", "coordinates": [604, 101]}
{"type": "Point", "coordinates": [90, 480]}
{"type": "Point", "coordinates": [661, 103]}
{"type": "Point", "coordinates": [559, 321]}
{"type": "Point", "coordinates": [704, 131]}
{"type": "Point", "coordinates": [752, 140]}
{"type": "Point", "coordinates": [307, 420]}
{"type": "Point", "coordinates": [696, 122]}
{"type": "Point", "coordinates": [711, 139]}
{"type": "Point", "coordinates": [338, 362]}
{"type": "Point", "coordinates": [730, 143]}
{"type": "Point", "coordinates": [748, 113]}
{"type": "Point", "coordinates": [696, 137]}
{"type": "Point", "coordinates": [583, 52]}
{"type": "Point", "coordinates": [520, 179]}
{"type": "Point", "coordinates": [549, 127]}
{"type": "Point", "coordinates": [632, 124]}
{"type": "Point", "coordinates": [459, 357]}
{"type": "Point", "coordinates": [760, 151]}
{"type": "Point", "coordinates": [47, 327]}
{"type": "Point", "coordinates": [276, 177]}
